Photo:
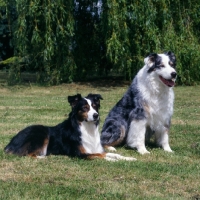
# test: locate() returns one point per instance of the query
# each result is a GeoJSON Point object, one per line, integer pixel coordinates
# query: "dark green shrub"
{"type": "Point", "coordinates": [135, 28]}
{"type": "Point", "coordinates": [76, 40]}
{"type": "Point", "coordinates": [44, 34]}
{"type": "Point", "coordinates": [7, 18]}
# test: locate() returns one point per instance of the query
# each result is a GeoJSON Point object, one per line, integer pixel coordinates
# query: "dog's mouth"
{"type": "Point", "coordinates": [168, 82]}
{"type": "Point", "coordinates": [94, 120]}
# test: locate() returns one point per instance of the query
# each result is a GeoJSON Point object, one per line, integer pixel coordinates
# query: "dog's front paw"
{"type": "Point", "coordinates": [110, 148]}
{"type": "Point", "coordinates": [167, 148]}
{"type": "Point", "coordinates": [111, 159]}
{"type": "Point", "coordinates": [129, 158]}
{"type": "Point", "coordinates": [41, 157]}
{"type": "Point", "coordinates": [143, 151]}
{"type": "Point", "coordinates": [116, 157]}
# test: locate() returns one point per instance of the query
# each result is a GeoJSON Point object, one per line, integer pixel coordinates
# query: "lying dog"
{"type": "Point", "coordinates": [146, 107]}
{"type": "Point", "coordinates": [78, 136]}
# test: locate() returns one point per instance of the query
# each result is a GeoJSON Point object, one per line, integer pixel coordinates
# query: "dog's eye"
{"type": "Point", "coordinates": [171, 64]}
{"type": "Point", "coordinates": [161, 65]}
{"type": "Point", "coordinates": [94, 106]}
{"type": "Point", "coordinates": [85, 108]}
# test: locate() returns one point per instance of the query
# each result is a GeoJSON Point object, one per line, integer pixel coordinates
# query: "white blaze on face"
{"type": "Point", "coordinates": [167, 70]}
{"type": "Point", "coordinates": [91, 112]}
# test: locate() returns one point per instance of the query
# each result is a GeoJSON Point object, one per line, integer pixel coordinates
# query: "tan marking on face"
{"type": "Point", "coordinates": [82, 116]}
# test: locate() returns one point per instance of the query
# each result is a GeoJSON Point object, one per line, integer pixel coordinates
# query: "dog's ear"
{"type": "Point", "coordinates": [73, 100]}
{"type": "Point", "coordinates": [151, 58]}
{"type": "Point", "coordinates": [96, 98]}
{"type": "Point", "coordinates": [169, 53]}
{"type": "Point", "coordinates": [171, 56]}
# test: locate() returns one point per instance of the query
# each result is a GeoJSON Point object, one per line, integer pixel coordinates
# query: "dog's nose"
{"type": "Point", "coordinates": [173, 74]}
{"type": "Point", "coordinates": [95, 116]}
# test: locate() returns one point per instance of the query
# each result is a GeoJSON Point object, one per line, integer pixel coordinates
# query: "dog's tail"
{"type": "Point", "coordinates": [31, 141]}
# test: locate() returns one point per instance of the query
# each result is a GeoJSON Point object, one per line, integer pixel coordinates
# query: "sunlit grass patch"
{"type": "Point", "coordinates": [159, 175]}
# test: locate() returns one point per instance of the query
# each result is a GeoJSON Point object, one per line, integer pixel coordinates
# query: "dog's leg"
{"type": "Point", "coordinates": [113, 133]}
{"type": "Point", "coordinates": [162, 140]}
{"type": "Point", "coordinates": [148, 135]}
{"type": "Point", "coordinates": [41, 153]}
{"type": "Point", "coordinates": [44, 148]}
{"type": "Point", "coordinates": [110, 148]}
{"type": "Point", "coordinates": [95, 155]}
{"type": "Point", "coordinates": [136, 136]}
{"type": "Point", "coordinates": [41, 157]}
{"type": "Point", "coordinates": [116, 157]}
{"type": "Point", "coordinates": [109, 157]}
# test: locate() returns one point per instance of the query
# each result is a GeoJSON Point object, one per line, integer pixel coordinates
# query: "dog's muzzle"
{"type": "Point", "coordinates": [95, 116]}
{"type": "Point", "coordinates": [169, 82]}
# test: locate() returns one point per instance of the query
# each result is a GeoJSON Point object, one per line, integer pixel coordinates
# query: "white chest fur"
{"type": "Point", "coordinates": [160, 109]}
{"type": "Point", "coordinates": [159, 100]}
{"type": "Point", "coordinates": [90, 137]}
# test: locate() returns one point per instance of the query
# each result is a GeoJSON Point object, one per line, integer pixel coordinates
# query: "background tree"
{"type": "Point", "coordinates": [44, 35]}
{"type": "Point", "coordinates": [135, 28]}
{"type": "Point", "coordinates": [79, 39]}
{"type": "Point", "coordinates": [7, 17]}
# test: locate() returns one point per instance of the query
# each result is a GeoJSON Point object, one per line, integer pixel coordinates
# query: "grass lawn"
{"type": "Point", "coordinates": [159, 175]}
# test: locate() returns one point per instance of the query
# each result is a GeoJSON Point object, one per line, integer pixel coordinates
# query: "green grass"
{"type": "Point", "coordinates": [160, 175]}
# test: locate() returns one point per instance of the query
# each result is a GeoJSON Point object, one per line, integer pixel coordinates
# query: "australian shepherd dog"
{"type": "Point", "coordinates": [77, 136]}
{"type": "Point", "coordinates": [146, 108]}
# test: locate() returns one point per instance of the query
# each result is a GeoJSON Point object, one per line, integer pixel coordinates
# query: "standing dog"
{"type": "Point", "coordinates": [78, 136]}
{"type": "Point", "coordinates": [146, 107]}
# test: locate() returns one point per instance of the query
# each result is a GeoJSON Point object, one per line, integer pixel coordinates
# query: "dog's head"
{"type": "Point", "coordinates": [85, 109]}
{"type": "Point", "coordinates": [164, 66]}
{"type": "Point", "coordinates": [95, 99]}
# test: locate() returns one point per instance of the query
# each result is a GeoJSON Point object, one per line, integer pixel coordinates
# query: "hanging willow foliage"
{"type": "Point", "coordinates": [7, 18]}
{"type": "Point", "coordinates": [44, 37]}
{"type": "Point", "coordinates": [135, 28]}
{"type": "Point", "coordinates": [68, 40]}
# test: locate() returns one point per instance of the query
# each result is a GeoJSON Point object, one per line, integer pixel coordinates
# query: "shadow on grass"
{"type": "Point", "coordinates": [105, 83]}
